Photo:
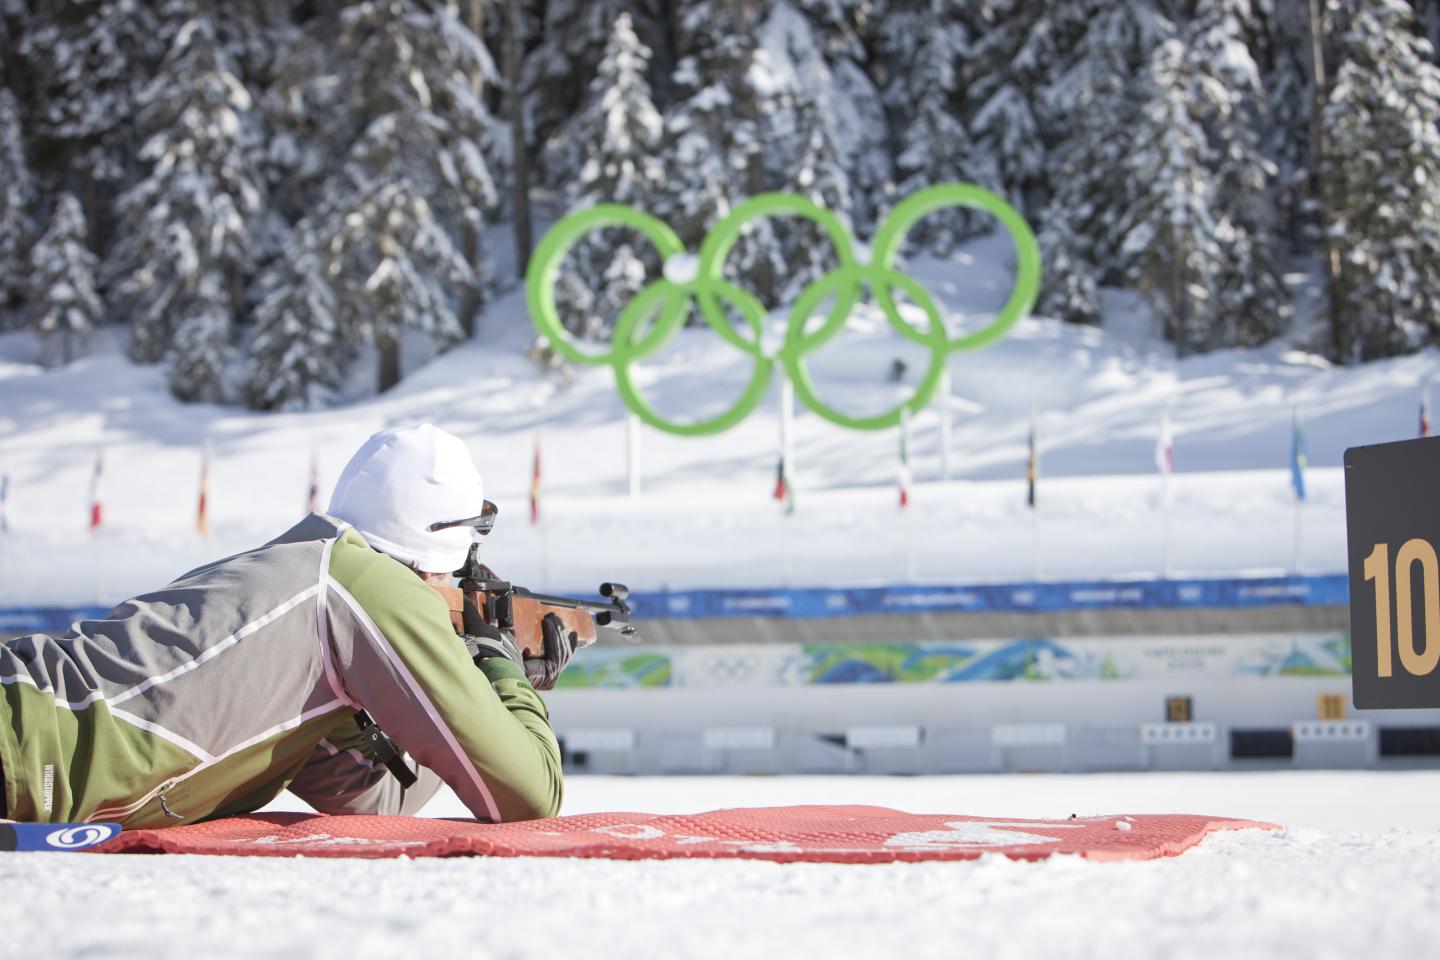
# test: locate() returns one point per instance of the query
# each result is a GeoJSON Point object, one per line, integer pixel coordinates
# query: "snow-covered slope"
{"type": "Point", "coordinates": [706, 516]}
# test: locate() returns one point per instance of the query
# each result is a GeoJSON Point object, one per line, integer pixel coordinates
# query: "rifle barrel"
{"type": "Point", "coordinates": [616, 612]}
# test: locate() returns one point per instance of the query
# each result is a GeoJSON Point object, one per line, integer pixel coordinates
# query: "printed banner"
{"type": "Point", "coordinates": [819, 602]}
{"type": "Point", "coordinates": [982, 661]}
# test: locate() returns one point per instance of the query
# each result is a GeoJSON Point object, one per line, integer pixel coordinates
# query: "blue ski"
{"type": "Point", "coordinates": [55, 836]}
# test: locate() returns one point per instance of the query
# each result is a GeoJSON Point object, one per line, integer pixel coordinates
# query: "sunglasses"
{"type": "Point", "coordinates": [483, 523]}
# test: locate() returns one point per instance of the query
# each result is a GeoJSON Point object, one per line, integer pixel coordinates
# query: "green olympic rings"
{"type": "Point", "coordinates": [649, 321]}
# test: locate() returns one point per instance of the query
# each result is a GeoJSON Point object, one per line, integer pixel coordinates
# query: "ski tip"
{"type": "Point", "coordinates": [55, 837]}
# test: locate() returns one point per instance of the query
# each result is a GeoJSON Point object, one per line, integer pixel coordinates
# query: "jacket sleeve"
{"type": "Point", "coordinates": [339, 778]}
{"type": "Point", "coordinates": [391, 650]}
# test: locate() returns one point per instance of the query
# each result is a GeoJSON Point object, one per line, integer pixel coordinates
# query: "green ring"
{"type": "Point", "coordinates": [797, 345]}
{"type": "Point", "coordinates": [674, 313]}
{"type": "Point", "coordinates": [1027, 252]}
{"type": "Point", "coordinates": [664, 301]}
{"type": "Point", "coordinates": [715, 250]}
{"type": "Point", "coordinates": [557, 241]}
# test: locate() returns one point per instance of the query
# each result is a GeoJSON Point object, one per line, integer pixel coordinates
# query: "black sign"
{"type": "Point", "coordinates": [1392, 516]}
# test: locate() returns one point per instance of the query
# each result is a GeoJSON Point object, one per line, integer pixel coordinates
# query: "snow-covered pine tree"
{"type": "Point", "coordinates": [712, 154]}
{"type": "Point", "coordinates": [1002, 74]}
{"type": "Point", "coordinates": [619, 125]}
{"type": "Point", "coordinates": [817, 175]}
{"type": "Point", "coordinates": [819, 56]}
{"type": "Point", "coordinates": [191, 224]}
{"type": "Point", "coordinates": [64, 307]}
{"type": "Point", "coordinates": [619, 130]}
{"type": "Point", "coordinates": [89, 61]}
{"type": "Point", "coordinates": [933, 145]}
{"type": "Point", "coordinates": [1087, 109]}
{"type": "Point", "coordinates": [297, 356]}
{"type": "Point", "coordinates": [560, 73]}
{"type": "Point", "coordinates": [1251, 304]}
{"type": "Point", "coordinates": [1068, 291]}
{"type": "Point", "coordinates": [258, 35]}
{"type": "Point", "coordinates": [843, 26]}
{"type": "Point", "coordinates": [710, 135]}
{"type": "Point", "coordinates": [17, 196]}
{"type": "Point", "coordinates": [202, 360]}
{"type": "Point", "coordinates": [391, 264]}
{"type": "Point", "coordinates": [306, 114]}
{"type": "Point", "coordinates": [1427, 17]}
{"type": "Point", "coordinates": [1384, 163]}
{"type": "Point", "coordinates": [85, 65]}
{"type": "Point", "coordinates": [1287, 79]}
{"type": "Point", "coordinates": [1172, 243]}
{"type": "Point", "coordinates": [414, 77]}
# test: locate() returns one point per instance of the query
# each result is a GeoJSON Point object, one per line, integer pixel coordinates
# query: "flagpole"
{"type": "Point", "coordinates": [97, 548]}
{"type": "Point", "coordinates": [909, 549]}
{"type": "Point", "coordinates": [202, 509]}
{"type": "Point", "coordinates": [787, 473]}
{"type": "Point", "coordinates": [786, 566]}
{"type": "Point", "coordinates": [945, 423]}
{"type": "Point", "coordinates": [1164, 460]}
{"type": "Point", "coordinates": [535, 519]}
{"type": "Point", "coordinates": [905, 481]}
{"type": "Point", "coordinates": [787, 427]}
{"type": "Point", "coordinates": [1165, 529]}
{"type": "Point", "coordinates": [1299, 454]}
{"type": "Point", "coordinates": [1035, 543]}
{"type": "Point", "coordinates": [1295, 567]}
{"type": "Point", "coordinates": [633, 456]}
{"type": "Point", "coordinates": [312, 496]}
{"type": "Point", "coordinates": [1034, 471]}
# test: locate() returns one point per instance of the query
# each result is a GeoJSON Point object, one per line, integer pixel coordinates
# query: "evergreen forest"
{"type": "Point", "coordinates": [272, 198]}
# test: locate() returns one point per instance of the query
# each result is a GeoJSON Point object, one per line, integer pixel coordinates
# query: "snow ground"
{"type": "Point", "coordinates": [1355, 872]}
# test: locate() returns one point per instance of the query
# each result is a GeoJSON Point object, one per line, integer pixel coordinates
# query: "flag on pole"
{"type": "Point", "coordinates": [202, 519]}
{"type": "Point", "coordinates": [96, 509]}
{"type": "Point", "coordinates": [1032, 466]}
{"type": "Point", "coordinates": [783, 490]}
{"type": "Point", "coordinates": [535, 485]}
{"type": "Point", "coordinates": [1165, 453]}
{"type": "Point", "coordinates": [1424, 413]}
{"type": "Point", "coordinates": [312, 499]}
{"type": "Point", "coordinates": [5, 502]}
{"type": "Point", "coordinates": [903, 474]}
{"type": "Point", "coordinates": [1165, 448]}
{"type": "Point", "coordinates": [1299, 456]}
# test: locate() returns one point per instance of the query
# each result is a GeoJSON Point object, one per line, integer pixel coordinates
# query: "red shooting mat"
{"type": "Point", "coordinates": [823, 834]}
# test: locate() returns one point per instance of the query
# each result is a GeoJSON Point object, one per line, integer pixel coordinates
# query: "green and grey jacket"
{"type": "Point", "coordinates": [210, 696]}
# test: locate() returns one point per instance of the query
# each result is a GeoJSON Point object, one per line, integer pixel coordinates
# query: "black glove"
{"type": "Point", "coordinates": [544, 671]}
{"type": "Point", "coordinates": [485, 641]}
{"type": "Point", "coordinates": [490, 641]}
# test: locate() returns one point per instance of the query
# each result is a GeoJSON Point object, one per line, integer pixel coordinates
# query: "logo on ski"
{"type": "Point", "coordinates": [76, 838]}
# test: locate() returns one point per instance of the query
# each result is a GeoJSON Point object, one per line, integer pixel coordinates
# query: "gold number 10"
{"type": "Point", "coordinates": [1377, 568]}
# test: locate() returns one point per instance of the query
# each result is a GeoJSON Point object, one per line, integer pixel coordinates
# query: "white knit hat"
{"type": "Point", "coordinates": [399, 483]}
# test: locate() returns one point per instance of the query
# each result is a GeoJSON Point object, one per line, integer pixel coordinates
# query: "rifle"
{"type": "Point", "coordinates": [520, 611]}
